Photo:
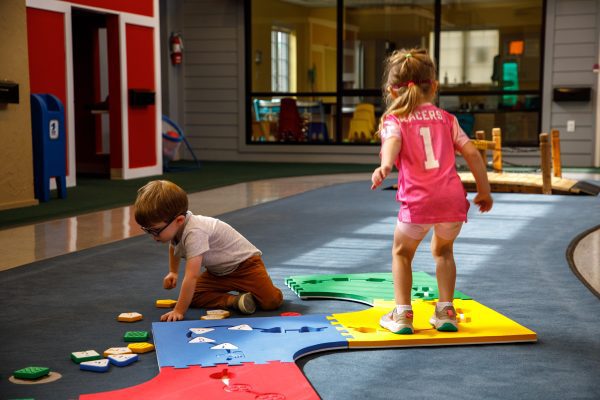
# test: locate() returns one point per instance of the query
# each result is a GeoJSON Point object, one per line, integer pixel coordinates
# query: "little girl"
{"type": "Point", "coordinates": [420, 139]}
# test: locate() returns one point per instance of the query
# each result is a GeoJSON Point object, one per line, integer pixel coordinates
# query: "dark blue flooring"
{"type": "Point", "coordinates": [511, 260]}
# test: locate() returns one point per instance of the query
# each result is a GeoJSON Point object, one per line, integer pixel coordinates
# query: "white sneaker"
{"type": "Point", "coordinates": [401, 324]}
{"type": "Point", "coordinates": [444, 320]}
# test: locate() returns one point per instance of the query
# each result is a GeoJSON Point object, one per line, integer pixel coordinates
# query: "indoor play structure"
{"type": "Point", "coordinates": [550, 181]}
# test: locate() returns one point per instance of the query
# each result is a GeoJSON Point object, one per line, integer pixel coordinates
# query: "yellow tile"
{"type": "Point", "coordinates": [141, 347]}
{"type": "Point", "coordinates": [130, 317]}
{"type": "Point", "coordinates": [166, 303]}
{"type": "Point", "coordinates": [477, 324]}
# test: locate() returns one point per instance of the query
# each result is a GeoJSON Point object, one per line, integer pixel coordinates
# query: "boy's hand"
{"type": "Point", "coordinates": [170, 280]}
{"type": "Point", "coordinates": [484, 201]}
{"type": "Point", "coordinates": [171, 316]}
{"type": "Point", "coordinates": [379, 175]}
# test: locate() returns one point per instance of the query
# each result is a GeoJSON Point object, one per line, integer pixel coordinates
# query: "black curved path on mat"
{"type": "Point", "coordinates": [512, 260]}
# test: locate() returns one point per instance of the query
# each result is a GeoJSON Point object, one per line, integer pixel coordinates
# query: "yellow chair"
{"type": "Point", "coordinates": [366, 106]}
{"type": "Point", "coordinates": [364, 114]}
{"type": "Point", "coordinates": [360, 130]}
{"type": "Point", "coordinates": [362, 124]}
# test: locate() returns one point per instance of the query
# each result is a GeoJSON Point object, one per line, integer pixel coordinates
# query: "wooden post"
{"type": "Point", "coordinates": [546, 164]}
{"type": "Point", "coordinates": [556, 167]}
{"type": "Point", "coordinates": [480, 135]}
{"type": "Point", "coordinates": [497, 154]}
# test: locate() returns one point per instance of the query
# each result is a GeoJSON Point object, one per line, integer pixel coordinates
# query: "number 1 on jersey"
{"type": "Point", "coordinates": [430, 161]}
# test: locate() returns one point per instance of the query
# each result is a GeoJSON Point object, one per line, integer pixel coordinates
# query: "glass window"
{"type": "Point", "coordinates": [468, 56]}
{"type": "Point", "coordinates": [489, 63]}
{"type": "Point", "coordinates": [293, 119]}
{"type": "Point", "coordinates": [280, 60]}
{"type": "Point", "coordinates": [293, 46]}
{"type": "Point", "coordinates": [489, 66]}
{"type": "Point", "coordinates": [373, 29]}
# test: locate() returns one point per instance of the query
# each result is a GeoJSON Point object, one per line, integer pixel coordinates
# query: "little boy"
{"type": "Point", "coordinates": [231, 262]}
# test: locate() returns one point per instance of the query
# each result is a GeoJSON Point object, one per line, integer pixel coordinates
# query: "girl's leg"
{"type": "Point", "coordinates": [403, 253]}
{"type": "Point", "coordinates": [445, 267]}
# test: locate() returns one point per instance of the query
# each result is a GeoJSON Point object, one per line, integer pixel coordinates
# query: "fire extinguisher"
{"type": "Point", "coordinates": [176, 48]}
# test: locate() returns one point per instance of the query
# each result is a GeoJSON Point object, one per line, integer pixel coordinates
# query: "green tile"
{"type": "Point", "coordinates": [363, 287]}
{"type": "Point", "coordinates": [136, 336]}
{"type": "Point", "coordinates": [31, 372]}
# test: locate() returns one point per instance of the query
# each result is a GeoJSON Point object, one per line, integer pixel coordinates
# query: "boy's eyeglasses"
{"type": "Point", "coordinates": [158, 231]}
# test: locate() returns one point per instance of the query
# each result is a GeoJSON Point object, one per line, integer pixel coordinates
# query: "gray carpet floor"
{"type": "Point", "coordinates": [512, 260]}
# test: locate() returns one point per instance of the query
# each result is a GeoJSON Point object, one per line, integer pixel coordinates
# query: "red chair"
{"type": "Point", "coordinates": [291, 126]}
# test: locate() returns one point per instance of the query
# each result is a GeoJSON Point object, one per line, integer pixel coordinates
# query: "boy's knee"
{"type": "Point", "coordinates": [272, 303]}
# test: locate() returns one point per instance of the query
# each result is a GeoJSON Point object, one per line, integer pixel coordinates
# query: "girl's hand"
{"type": "Point", "coordinates": [379, 175]}
{"type": "Point", "coordinates": [484, 201]}
{"type": "Point", "coordinates": [170, 280]}
{"type": "Point", "coordinates": [171, 316]}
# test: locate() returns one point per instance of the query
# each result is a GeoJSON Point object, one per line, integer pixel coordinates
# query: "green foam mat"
{"type": "Point", "coordinates": [364, 288]}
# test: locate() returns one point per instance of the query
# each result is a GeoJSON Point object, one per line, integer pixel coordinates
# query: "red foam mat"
{"type": "Point", "coordinates": [273, 381]}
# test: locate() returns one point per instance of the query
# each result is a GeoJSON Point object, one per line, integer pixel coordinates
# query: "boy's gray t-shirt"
{"type": "Point", "coordinates": [222, 247]}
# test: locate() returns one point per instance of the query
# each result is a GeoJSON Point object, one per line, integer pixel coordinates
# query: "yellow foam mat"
{"type": "Point", "coordinates": [477, 324]}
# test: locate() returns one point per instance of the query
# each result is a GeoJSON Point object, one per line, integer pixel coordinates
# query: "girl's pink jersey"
{"type": "Point", "coordinates": [428, 185]}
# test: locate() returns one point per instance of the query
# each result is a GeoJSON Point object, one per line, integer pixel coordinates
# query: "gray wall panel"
{"type": "Point", "coordinates": [576, 160]}
{"type": "Point", "coordinates": [211, 94]}
{"type": "Point", "coordinates": [572, 40]}
{"type": "Point", "coordinates": [575, 36]}
{"type": "Point", "coordinates": [585, 78]}
{"type": "Point", "coordinates": [211, 118]}
{"type": "Point", "coordinates": [212, 58]}
{"type": "Point", "coordinates": [210, 7]}
{"type": "Point", "coordinates": [211, 107]}
{"type": "Point", "coordinates": [581, 132]}
{"type": "Point", "coordinates": [574, 50]}
{"type": "Point", "coordinates": [196, 131]}
{"type": "Point", "coordinates": [207, 70]}
{"type": "Point", "coordinates": [569, 7]}
{"type": "Point", "coordinates": [580, 64]}
{"type": "Point", "coordinates": [212, 33]}
{"type": "Point", "coordinates": [578, 21]}
{"type": "Point", "coordinates": [211, 45]}
{"type": "Point", "coordinates": [210, 83]}
{"type": "Point", "coordinates": [205, 20]}
{"type": "Point", "coordinates": [581, 119]}
{"type": "Point", "coordinates": [576, 106]}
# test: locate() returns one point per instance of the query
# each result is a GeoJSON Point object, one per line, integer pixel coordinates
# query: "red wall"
{"type": "Point", "coordinates": [114, 87]}
{"type": "Point", "coordinates": [141, 7]}
{"type": "Point", "coordinates": [47, 56]}
{"type": "Point", "coordinates": [140, 75]}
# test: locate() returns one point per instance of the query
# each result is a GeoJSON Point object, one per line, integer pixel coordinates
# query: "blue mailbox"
{"type": "Point", "coordinates": [49, 145]}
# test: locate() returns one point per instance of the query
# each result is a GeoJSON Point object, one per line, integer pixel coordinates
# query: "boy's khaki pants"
{"type": "Point", "coordinates": [212, 291]}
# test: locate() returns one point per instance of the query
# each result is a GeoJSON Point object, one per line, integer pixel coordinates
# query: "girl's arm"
{"type": "Point", "coordinates": [483, 198]}
{"type": "Point", "coordinates": [186, 293]}
{"type": "Point", "coordinates": [389, 152]}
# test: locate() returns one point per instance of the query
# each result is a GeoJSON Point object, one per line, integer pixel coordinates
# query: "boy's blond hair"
{"type": "Point", "coordinates": [159, 201]}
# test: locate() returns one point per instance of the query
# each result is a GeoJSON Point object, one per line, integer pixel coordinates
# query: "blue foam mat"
{"type": "Point", "coordinates": [271, 339]}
